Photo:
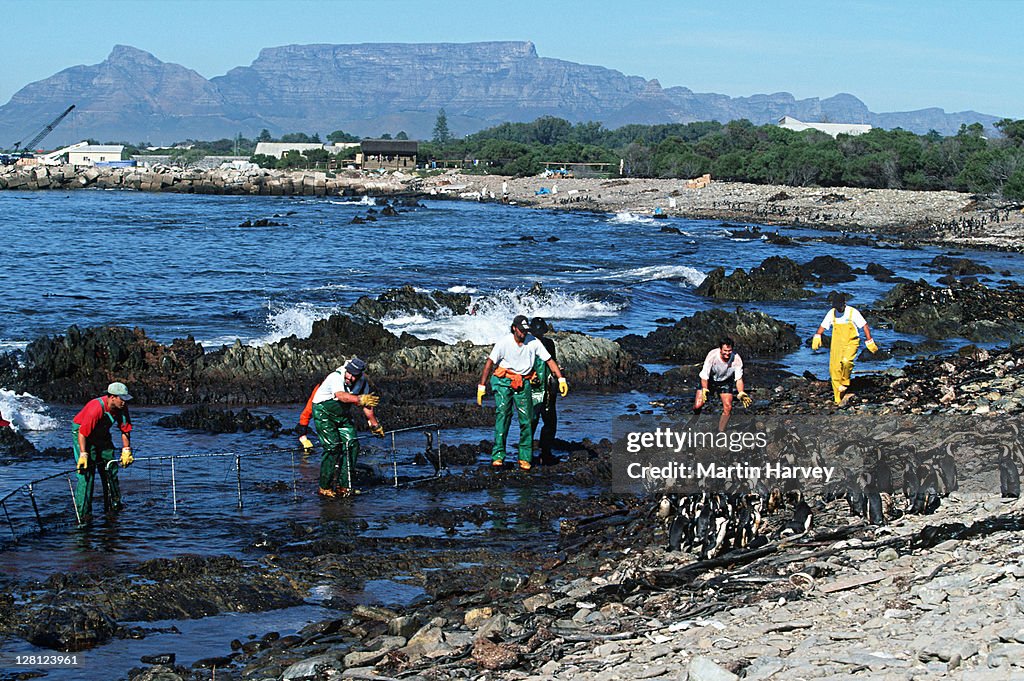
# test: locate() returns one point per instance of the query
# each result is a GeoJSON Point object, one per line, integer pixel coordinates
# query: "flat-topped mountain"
{"type": "Point", "coordinates": [373, 88]}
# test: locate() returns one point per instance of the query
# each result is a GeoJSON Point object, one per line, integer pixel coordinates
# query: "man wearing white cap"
{"type": "Point", "coordinates": [94, 448]}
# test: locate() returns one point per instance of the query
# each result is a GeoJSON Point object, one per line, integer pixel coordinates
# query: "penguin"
{"type": "Point", "coordinates": [927, 500]}
{"type": "Point", "coordinates": [1009, 476]}
{"type": "Point", "coordinates": [664, 507]}
{"type": "Point", "coordinates": [947, 472]}
{"type": "Point", "coordinates": [855, 497]}
{"type": "Point", "coordinates": [874, 510]}
{"type": "Point", "coordinates": [774, 502]}
{"type": "Point", "coordinates": [911, 484]}
{"type": "Point", "coordinates": [882, 475]}
{"type": "Point", "coordinates": [803, 518]}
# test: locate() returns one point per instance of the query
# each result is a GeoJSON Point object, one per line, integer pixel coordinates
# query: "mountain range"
{"type": "Point", "coordinates": [376, 88]}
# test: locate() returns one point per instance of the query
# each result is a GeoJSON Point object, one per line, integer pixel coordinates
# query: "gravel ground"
{"type": "Point", "coordinates": [947, 217]}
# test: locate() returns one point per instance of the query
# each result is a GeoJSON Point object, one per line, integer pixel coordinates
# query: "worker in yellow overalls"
{"type": "Point", "coordinates": [844, 321]}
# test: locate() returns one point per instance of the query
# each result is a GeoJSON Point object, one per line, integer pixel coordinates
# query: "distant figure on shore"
{"type": "Point", "coordinates": [722, 374]}
{"type": "Point", "coordinates": [545, 391]}
{"type": "Point", "coordinates": [844, 321]}
{"type": "Point", "coordinates": [93, 448]}
{"type": "Point", "coordinates": [512, 359]}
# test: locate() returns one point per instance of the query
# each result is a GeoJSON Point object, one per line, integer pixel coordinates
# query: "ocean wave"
{"type": "Point", "coordinates": [361, 201]}
{"type": "Point", "coordinates": [8, 345]}
{"type": "Point", "coordinates": [493, 313]}
{"type": "Point", "coordinates": [690, 275]}
{"type": "Point", "coordinates": [462, 289]}
{"type": "Point", "coordinates": [25, 411]}
{"type": "Point", "coordinates": [631, 219]}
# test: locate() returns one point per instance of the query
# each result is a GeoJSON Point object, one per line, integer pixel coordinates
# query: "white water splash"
{"type": "Point", "coordinates": [462, 289]}
{"type": "Point", "coordinates": [631, 219]}
{"type": "Point", "coordinates": [492, 315]}
{"type": "Point", "coordinates": [690, 275]}
{"type": "Point", "coordinates": [25, 411]}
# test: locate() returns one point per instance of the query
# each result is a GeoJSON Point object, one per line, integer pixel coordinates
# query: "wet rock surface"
{"type": "Point", "coordinates": [219, 420]}
{"type": "Point", "coordinates": [80, 364]}
{"type": "Point", "coordinates": [777, 278]}
{"type": "Point", "coordinates": [690, 338]}
{"type": "Point", "coordinates": [971, 311]}
{"type": "Point", "coordinates": [408, 300]}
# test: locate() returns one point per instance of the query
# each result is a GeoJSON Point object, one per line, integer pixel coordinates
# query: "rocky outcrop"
{"type": "Point", "coordinates": [690, 339]}
{"type": "Point", "coordinates": [211, 420]}
{"type": "Point", "coordinates": [971, 311]}
{"type": "Point", "coordinates": [80, 364]}
{"type": "Point", "coordinates": [407, 299]}
{"type": "Point", "coordinates": [958, 267]}
{"type": "Point", "coordinates": [777, 278]}
{"type": "Point", "coordinates": [172, 179]}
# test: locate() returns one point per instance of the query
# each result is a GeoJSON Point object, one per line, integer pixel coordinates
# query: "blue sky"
{"type": "Point", "coordinates": [895, 56]}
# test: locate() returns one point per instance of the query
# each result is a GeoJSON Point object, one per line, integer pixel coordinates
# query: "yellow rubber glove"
{"type": "Point", "coordinates": [83, 462]}
{"type": "Point", "coordinates": [368, 401]}
{"type": "Point", "coordinates": [126, 457]}
{"type": "Point", "coordinates": [305, 442]}
{"type": "Point", "coordinates": [377, 430]}
{"type": "Point", "coordinates": [744, 398]}
{"type": "Point", "coordinates": [872, 346]}
{"type": "Point", "coordinates": [816, 341]}
{"type": "Point", "coordinates": [704, 394]}
{"type": "Point", "coordinates": [480, 391]}
{"type": "Point", "coordinates": [563, 387]}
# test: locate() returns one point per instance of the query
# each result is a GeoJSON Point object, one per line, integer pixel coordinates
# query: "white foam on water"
{"type": "Point", "coordinates": [8, 345]}
{"type": "Point", "coordinates": [493, 313]}
{"type": "Point", "coordinates": [690, 275]}
{"type": "Point", "coordinates": [361, 201]}
{"type": "Point", "coordinates": [462, 289]}
{"type": "Point", "coordinates": [25, 411]}
{"type": "Point", "coordinates": [291, 320]}
{"type": "Point", "coordinates": [282, 321]}
{"type": "Point", "coordinates": [631, 219]}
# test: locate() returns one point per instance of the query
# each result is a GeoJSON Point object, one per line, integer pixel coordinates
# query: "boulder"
{"type": "Point", "coordinates": [408, 300]}
{"type": "Point", "coordinates": [690, 339]}
{"type": "Point", "coordinates": [777, 278]}
{"type": "Point", "coordinates": [827, 270]}
{"type": "Point", "coordinates": [971, 311]}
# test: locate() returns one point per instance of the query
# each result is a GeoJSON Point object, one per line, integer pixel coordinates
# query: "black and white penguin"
{"type": "Point", "coordinates": [1009, 476]}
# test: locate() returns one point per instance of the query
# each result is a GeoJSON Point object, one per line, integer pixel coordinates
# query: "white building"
{"type": "Point", "coordinates": [91, 154]}
{"type": "Point", "coordinates": [790, 123]}
{"type": "Point", "coordinates": [279, 149]}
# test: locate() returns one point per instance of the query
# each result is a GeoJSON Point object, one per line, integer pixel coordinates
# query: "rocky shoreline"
{"type": "Point", "coordinates": [942, 217]}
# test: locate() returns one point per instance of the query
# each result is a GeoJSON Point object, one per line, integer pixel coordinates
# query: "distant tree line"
{"type": "Point", "coordinates": [737, 151]}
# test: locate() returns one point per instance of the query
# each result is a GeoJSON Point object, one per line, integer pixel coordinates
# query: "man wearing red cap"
{"type": "Point", "coordinates": [512, 359]}
{"type": "Point", "coordinates": [93, 446]}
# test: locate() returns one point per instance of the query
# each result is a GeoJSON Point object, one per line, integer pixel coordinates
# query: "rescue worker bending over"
{"type": "Point", "coordinates": [345, 386]}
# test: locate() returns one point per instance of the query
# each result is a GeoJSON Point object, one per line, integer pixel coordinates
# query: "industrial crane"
{"type": "Point", "coordinates": [43, 133]}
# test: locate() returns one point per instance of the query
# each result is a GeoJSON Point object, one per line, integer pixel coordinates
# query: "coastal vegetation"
{"type": "Point", "coordinates": [737, 151]}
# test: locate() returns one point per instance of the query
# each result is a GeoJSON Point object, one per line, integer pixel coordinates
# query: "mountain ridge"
{"type": "Point", "coordinates": [371, 88]}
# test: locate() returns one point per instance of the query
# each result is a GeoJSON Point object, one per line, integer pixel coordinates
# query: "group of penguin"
{"type": "Point", "coordinates": [712, 523]}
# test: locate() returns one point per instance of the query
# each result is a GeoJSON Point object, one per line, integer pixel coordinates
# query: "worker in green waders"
{"type": "Point", "coordinates": [332, 414]}
{"type": "Point", "coordinates": [512, 359]}
{"type": "Point", "coordinates": [545, 390]}
{"type": "Point", "coordinates": [845, 322]}
{"type": "Point", "coordinates": [93, 447]}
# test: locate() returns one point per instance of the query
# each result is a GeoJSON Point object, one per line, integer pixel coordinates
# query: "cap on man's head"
{"type": "Point", "coordinates": [355, 366]}
{"type": "Point", "coordinates": [521, 323]}
{"type": "Point", "coordinates": [118, 389]}
{"type": "Point", "coordinates": [539, 326]}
